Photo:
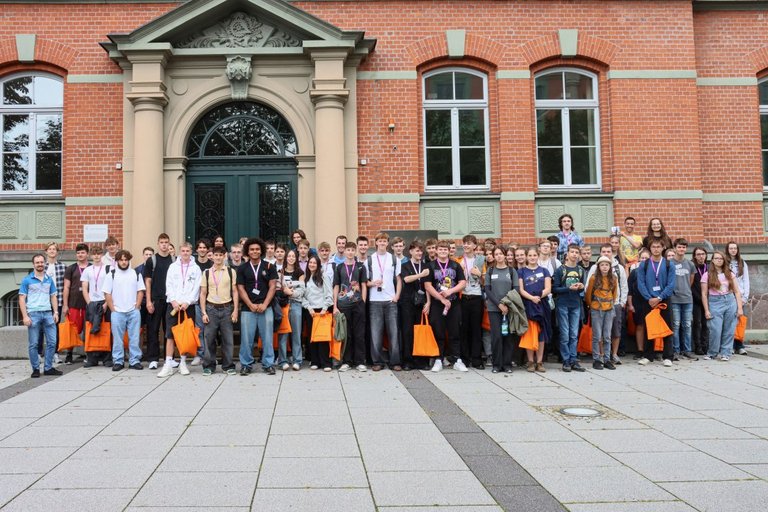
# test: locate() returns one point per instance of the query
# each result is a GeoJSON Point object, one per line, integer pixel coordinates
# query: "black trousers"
{"type": "Point", "coordinates": [354, 350]}
{"type": "Point", "coordinates": [319, 352]}
{"type": "Point", "coordinates": [471, 329]}
{"type": "Point", "coordinates": [505, 349]}
{"type": "Point", "coordinates": [447, 328]}
{"type": "Point", "coordinates": [410, 315]}
{"type": "Point", "coordinates": [650, 351]}
{"type": "Point", "coordinates": [699, 329]}
{"type": "Point", "coordinates": [154, 321]}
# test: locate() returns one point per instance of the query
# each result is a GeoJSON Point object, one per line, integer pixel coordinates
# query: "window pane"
{"type": "Point", "coordinates": [551, 166]}
{"type": "Point", "coordinates": [549, 87]}
{"type": "Point", "coordinates": [439, 167]}
{"type": "Point", "coordinates": [439, 87]}
{"type": "Point", "coordinates": [15, 171]}
{"type": "Point", "coordinates": [583, 166]}
{"type": "Point", "coordinates": [765, 168]}
{"type": "Point", "coordinates": [48, 171]}
{"type": "Point", "coordinates": [49, 133]}
{"type": "Point", "coordinates": [48, 92]}
{"type": "Point", "coordinates": [549, 128]}
{"type": "Point", "coordinates": [18, 91]}
{"type": "Point", "coordinates": [578, 87]}
{"type": "Point", "coordinates": [764, 130]}
{"type": "Point", "coordinates": [472, 162]}
{"type": "Point", "coordinates": [15, 133]}
{"type": "Point", "coordinates": [471, 128]}
{"type": "Point", "coordinates": [469, 87]}
{"type": "Point", "coordinates": [763, 90]}
{"type": "Point", "coordinates": [438, 128]}
{"type": "Point", "coordinates": [582, 127]}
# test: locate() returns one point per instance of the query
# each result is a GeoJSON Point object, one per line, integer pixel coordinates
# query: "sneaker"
{"type": "Point", "coordinates": [56, 359]}
{"type": "Point", "coordinates": [460, 366]}
{"type": "Point", "coordinates": [690, 355]}
{"type": "Point", "coordinates": [447, 363]}
{"type": "Point", "coordinates": [107, 362]}
{"type": "Point", "coordinates": [615, 360]}
{"type": "Point", "coordinates": [725, 358]}
{"type": "Point", "coordinates": [196, 361]}
{"type": "Point", "coordinates": [207, 372]}
{"type": "Point", "coordinates": [153, 365]}
{"type": "Point", "coordinates": [89, 364]}
{"type": "Point", "coordinates": [136, 366]}
{"type": "Point", "coordinates": [437, 366]}
{"type": "Point", "coordinates": [644, 361]}
{"type": "Point", "coordinates": [376, 367]}
{"type": "Point", "coordinates": [296, 367]}
{"type": "Point", "coordinates": [540, 368]}
{"type": "Point", "coordinates": [667, 363]}
{"type": "Point", "coordinates": [270, 370]}
{"type": "Point", "coordinates": [327, 369]}
{"type": "Point", "coordinates": [285, 367]}
{"type": "Point", "coordinates": [675, 356]}
{"type": "Point", "coordinates": [508, 370]}
{"type": "Point", "coordinates": [183, 368]}
{"type": "Point", "coordinates": [397, 368]}
{"type": "Point", "coordinates": [53, 372]}
{"type": "Point", "coordinates": [117, 367]}
{"type": "Point", "coordinates": [608, 365]}
{"type": "Point", "coordinates": [496, 370]}
{"type": "Point", "coordinates": [245, 370]}
{"type": "Point", "coordinates": [361, 368]}
{"type": "Point", "coordinates": [700, 351]}
{"type": "Point", "coordinates": [637, 356]}
{"type": "Point", "coordinates": [174, 363]}
{"type": "Point", "coordinates": [35, 373]}
{"type": "Point", "coordinates": [566, 367]}
{"type": "Point", "coordinates": [314, 367]}
{"type": "Point", "coordinates": [530, 366]}
{"type": "Point", "coordinates": [345, 367]}
{"type": "Point", "coordinates": [707, 357]}
{"type": "Point", "coordinates": [742, 351]}
{"type": "Point", "coordinates": [167, 371]}
{"type": "Point", "coordinates": [231, 371]}
{"type": "Point", "coordinates": [577, 367]}
{"type": "Point", "coordinates": [597, 365]}
{"type": "Point", "coordinates": [68, 359]}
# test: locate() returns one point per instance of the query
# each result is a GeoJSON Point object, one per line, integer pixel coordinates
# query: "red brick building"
{"type": "Point", "coordinates": [489, 117]}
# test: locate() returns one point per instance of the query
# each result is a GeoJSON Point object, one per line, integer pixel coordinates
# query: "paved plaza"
{"type": "Point", "coordinates": [690, 438]}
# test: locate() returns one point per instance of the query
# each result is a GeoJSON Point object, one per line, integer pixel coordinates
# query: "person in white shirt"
{"type": "Point", "coordinates": [124, 291]}
{"type": "Point", "coordinates": [182, 291]}
{"type": "Point", "coordinates": [384, 286]}
{"type": "Point", "coordinates": [96, 309]}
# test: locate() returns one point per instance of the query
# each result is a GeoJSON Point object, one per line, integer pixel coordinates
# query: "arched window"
{"type": "Point", "coordinates": [31, 107]}
{"type": "Point", "coordinates": [9, 306]}
{"type": "Point", "coordinates": [456, 152]}
{"type": "Point", "coordinates": [567, 129]}
{"type": "Point", "coordinates": [762, 89]}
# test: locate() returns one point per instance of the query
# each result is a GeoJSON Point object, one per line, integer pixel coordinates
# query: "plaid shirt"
{"type": "Point", "coordinates": [58, 271]}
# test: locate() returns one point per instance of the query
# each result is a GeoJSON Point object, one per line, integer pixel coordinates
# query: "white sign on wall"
{"type": "Point", "coordinates": [95, 232]}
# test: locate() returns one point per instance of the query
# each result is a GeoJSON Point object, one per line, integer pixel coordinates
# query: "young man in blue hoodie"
{"type": "Point", "coordinates": [656, 283]}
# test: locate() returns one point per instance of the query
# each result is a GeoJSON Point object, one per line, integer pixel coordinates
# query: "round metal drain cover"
{"type": "Point", "coordinates": [581, 412]}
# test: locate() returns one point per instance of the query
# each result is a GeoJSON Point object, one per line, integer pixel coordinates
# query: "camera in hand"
{"type": "Point", "coordinates": [378, 288]}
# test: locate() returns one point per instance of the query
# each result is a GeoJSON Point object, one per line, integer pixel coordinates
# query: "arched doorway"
{"type": "Point", "coordinates": [241, 174]}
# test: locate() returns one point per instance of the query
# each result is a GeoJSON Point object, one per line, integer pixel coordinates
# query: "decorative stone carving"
{"type": "Point", "coordinates": [241, 30]}
{"type": "Point", "coordinates": [482, 220]}
{"type": "Point", "coordinates": [9, 225]}
{"type": "Point", "coordinates": [438, 218]}
{"type": "Point", "coordinates": [239, 74]}
{"type": "Point", "coordinates": [48, 225]}
{"type": "Point", "coordinates": [548, 216]}
{"type": "Point", "coordinates": [594, 218]}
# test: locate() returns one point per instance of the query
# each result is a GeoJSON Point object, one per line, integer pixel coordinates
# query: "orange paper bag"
{"type": "Point", "coordinates": [424, 342]}
{"type": "Point", "coordinates": [322, 328]}
{"type": "Point", "coordinates": [631, 327]}
{"type": "Point", "coordinates": [585, 338]}
{"type": "Point", "coordinates": [285, 323]}
{"type": "Point", "coordinates": [741, 328]}
{"type": "Point", "coordinates": [530, 340]}
{"type": "Point", "coordinates": [486, 323]}
{"type": "Point", "coordinates": [186, 335]}
{"type": "Point", "coordinates": [68, 338]}
{"type": "Point", "coordinates": [658, 345]}
{"type": "Point", "coordinates": [101, 341]}
{"type": "Point", "coordinates": [655, 326]}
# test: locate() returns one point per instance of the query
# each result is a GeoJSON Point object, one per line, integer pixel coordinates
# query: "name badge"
{"type": "Point", "coordinates": [494, 276]}
{"type": "Point", "coordinates": [657, 288]}
{"type": "Point", "coordinates": [539, 274]}
{"type": "Point", "coordinates": [255, 291]}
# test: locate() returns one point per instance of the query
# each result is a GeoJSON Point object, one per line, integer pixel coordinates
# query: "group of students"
{"type": "Point", "coordinates": [479, 304]}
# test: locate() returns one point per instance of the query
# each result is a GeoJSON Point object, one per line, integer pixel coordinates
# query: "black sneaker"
{"type": "Point", "coordinates": [566, 367]}
{"type": "Point", "coordinates": [270, 370]}
{"type": "Point", "coordinates": [245, 370]}
{"type": "Point", "coordinates": [508, 370]}
{"type": "Point", "coordinates": [35, 373]}
{"type": "Point", "coordinates": [136, 366]}
{"type": "Point", "coordinates": [638, 355]}
{"type": "Point", "coordinates": [117, 367]}
{"type": "Point", "coordinates": [68, 359]}
{"type": "Point", "coordinates": [675, 357]}
{"type": "Point", "coordinates": [690, 355]}
{"type": "Point", "coordinates": [621, 353]}
{"type": "Point", "coordinates": [89, 364]}
{"type": "Point", "coordinates": [53, 371]}
{"type": "Point", "coordinates": [577, 367]}
{"type": "Point", "coordinates": [609, 366]}
{"type": "Point", "coordinates": [597, 365]}
{"type": "Point", "coordinates": [108, 362]}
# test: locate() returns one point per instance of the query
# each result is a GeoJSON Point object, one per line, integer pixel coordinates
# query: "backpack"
{"type": "Point", "coordinates": [154, 260]}
{"type": "Point", "coordinates": [232, 276]}
{"type": "Point", "coordinates": [112, 271]}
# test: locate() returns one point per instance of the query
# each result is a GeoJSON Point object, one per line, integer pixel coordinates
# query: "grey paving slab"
{"type": "Point", "coordinates": [125, 447]}
{"type": "Point", "coordinates": [642, 506]}
{"type": "Point", "coordinates": [225, 399]}
{"type": "Point", "coordinates": [50, 436]}
{"type": "Point", "coordinates": [529, 498]}
{"type": "Point", "coordinates": [147, 426]}
{"type": "Point", "coordinates": [633, 441]}
{"type": "Point", "coordinates": [735, 451]}
{"type": "Point", "coordinates": [757, 470]}
{"type": "Point", "coordinates": [498, 471]}
{"type": "Point", "coordinates": [331, 424]}
{"type": "Point", "coordinates": [32, 459]}
{"type": "Point", "coordinates": [467, 508]}
{"type": "Point", "coordinates": [759, 432]}
{"type": "Point", "coordinates": [12, 372]}
{"type": "Point", "coordinates": [312, 445]}
{"type": "Point", "coordinates": [99, 474]}
{"type": "Point", "coordinates": [37, 397]}
{"type": "Point", "coordinates": [680, 467]}
{"type": "Point", "coordinates": [392, 433]}
{"type": "Point", "coordinates": [488, 414]}
{"type": "Point", "coordinates": [233, 417]}
{"type": "Point", "coordinates": [71, 500]}
{"type": "Point", "coordinates": [747, 417]}
{"type": "Point", "coordinates": [125, 390]}
{"type": "Point", "coordinates": [185, 509]}
{"type": "Point", "coordinates": [320, 473]}
{"type": "Point", "coordinates": [10, 425]}
{"type": "Point", "coordinates": [78, 417]}
{"type": "Point", "coordinates": [413, 456]}
{"type": "Point", "coordinates": [570, 454]}
{"type": "Point", "coordinates": [196, 490]}
{"type": "Point", "coordinates": [100, 402]}
{"type": "Point", "coordinates": [467, 444]}
{"type": "Point", "coordinates": [655, 411]}
{"type": "Point", "coordinates": [312, 500]}
{"type": "Point", "coordinates": [722, 496]}
{"type": "Point", "coordinates": [11, 485]}
{"type": "Point", "coordinates": [309, 408]}
{"type": "Point", "coordinates": [698, 429]}
{"type": "Point", "coordinates": [225, 435]}
{"type": "Point", "coordinates": [170, 407]}
{"type": "Point", "coordinates": [455, 423]}
{"type": "Point", "coordinates": [24, 410]}
{"type": "Point", "coordinates": [579, 424]}
{"type": "Point", "coordinates": [218, 459]}
{"type": "Point", "coordinates": [402, 415]}
{"type": "Point", "coordinates": [428, 488]}
{"type": "Point", "coordinates": [517, 431]}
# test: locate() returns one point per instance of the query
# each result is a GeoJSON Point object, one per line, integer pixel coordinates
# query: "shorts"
{"type": "Point", "coordinates": [618, 320]}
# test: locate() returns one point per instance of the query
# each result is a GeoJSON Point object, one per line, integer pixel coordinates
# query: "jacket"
{"type": "Point", "coordinates": [183, 289]}
{"type": "Point", "coordinates": [518, 322]}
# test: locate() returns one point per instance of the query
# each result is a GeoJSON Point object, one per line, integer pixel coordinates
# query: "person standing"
{"type": "Point", "coordinates": [96, 309]}
{"type": "Point", "coordinates": [681, 302]}
{"type": "Point", "coordinates": [566, 236]}
{"type": "Point", "coordinates": [535, 285]}
{"type": "Point", "coordinates": [567, 286]}
{"type": "Point", "coordinates": [384, 287]}
{"type": "Point", "coordinates": [607, 250]}
{"type": "Point", "coordinates": [740, 271]}
{"type": "Point", "coordinates": [414, 301]}
{"type": "Point", "coordinates": [155, 273]}
{"type": "Point", "coordinates": [123, 291]}
{"type": "Point", "coordinates": [318, 298]}
{"type": "Point", "coordinates": [341, 244]}
{"type": "Point", "coordinates": [472, 304]}
{"type": "Point", "coordinates": [74, 301]}
{"type": "Point", "coordinates": [218, 305]}
{"type": "Point", "coordinates": [349, 296]}
{"type": "Point", "coordinates": [602, 292]}
{"type": "Point", "coordinates": [292, 290]}
{"type": "Point", "coordinates": [630, 243]}
{"type": "Point", "coordinates": [721, 296]}
{"type": "Point", "coordinates": [700, 331]}
{"type": "Point", "coordinates": [656, 284]}
{"type": "Point", "coordinates": [656, 231]}
{"type": "Point", "coordinates": [55, 270]}
{"type": "Point", "coordinates": [111, 246]}
{"type": "Point", "coordinates": [235, 256]}
{"type": "Point", "coordinates": [500, 279]}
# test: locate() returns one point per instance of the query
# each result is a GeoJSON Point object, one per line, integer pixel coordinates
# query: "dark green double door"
{"type": "Point", "coordinates": [237, 197]}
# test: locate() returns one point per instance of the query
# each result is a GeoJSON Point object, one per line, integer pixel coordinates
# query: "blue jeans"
{"type": "Point", "coordinates": [682, 316]}
{"type": "Point", "coordinates": [384, 313]}
{"type": "Point", "coordinates": [200, 325]}
{"type": "Point", "coordinates": [294, 316]}
{"type": "Point", "coordinates": [722, 325]}
{"type": "Point", "coordinates": [42, 324]}
{"type": "Point", "coordinates": [252, 324]}
{"type": "Point", "coordinates": [122, 322]}
{"type": "Point", "coordinates": [568, 318]}
{"type": "Point", "coordinates": [602, 323]}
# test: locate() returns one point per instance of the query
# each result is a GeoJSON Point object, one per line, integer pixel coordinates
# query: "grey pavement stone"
{"type": "Point", "coordinates": [591, 484]}
{"type": "Point", "coordinates": [312, 500]}
{"type": "Point", "coordinates": [99, 474]}
{"type": "Point", "coordinates": [528, 498]}
{"type": "Point", "coordinates": [233, 417]}
{"type": "Point", "coordinates": [99, 402]}
{"type": "Point", "coordinates": [760, 432]}
{"type": "Point", "coordinates": [428, 488]}
{"type": "Point", "coordinates": [170, 407]}
{"type": "Point", "coordinates": [313, 445]}
{"type": "Point", "coordinates": [447, 423]}
{"type": "Point", "coordinates": [739, 496]}
{"type": "Point", "coordinates": [570, 454]}
{"type": "Point", "coordinates": [38, 397]}
{"type": "Point", "coordinates": [680, 467]}
{"type": "Point", "coordinates": [32, 459]}
{"type": "Point", "coordinates": [218, 459]}
{"type": "Point", "coordinates": [706, 428]}
{"type": "Point", "coordinates": [147, 426]}
{"type": "Point", "coordinates": [757, 470]}
{"type": "Point", "coordinates": [125, 447]}
{"type": "Point", "coordinates": [296, 394]}
{"type": "Point", "coordinates": [11, 485]}
{"type": "Point", "coordinates": [230, 400]}
{"type": "Point", "coordinates": [24, 410]}
{"type": "Point", "coordinates": [78, 417]}
{"type": "Point", "coordinates": [50, 436]}
{"type": "Point", "coordinates": [735, 451]}
{"type": "Point", "coordinates": [747, 417]}
{"type": "Point", "coordinates": [466, 508]}
{"type": "Point", "coordinates": [197, 490]}
{"type": "Point", "coordinates": [482, 413]}
{"type": "Point", "coordinates": [10, 425]}
{"type": "Point", "coordinates": [611, 398]}
{"type": "Point", "coordinates": [71, 500]}
{"type": "Point", "coordinates": [474, 444]}
{"type": "Point", "coordinates": [698, 400]}
{"type": "Point", "coordinates": [641, 506]}
{"type": "Point", "coordinates": [325, 473]}
{"type": "Point", "coordinates": [499, 471]}
{"type": "Point", "coordinates": [225, 435]}
{"type": "Point", "coordinates": [186, 509]}
{"type": "Point", "coordinates": [411, 456]}
{"type": "Point", "coordinates": [126, 390]}
{"type": "Point", "coordinates": [330, 424]}
{"type": "Point", "coordinates": [309, 408]}
{"type": "Point", "coordinates": [655, 411]}
{"type": "Point", "coordinates": [403, 415]}
{"type": "Point", "coordinates": [579, 424]}
{"type": "Point", "coordinates": [440, 406]}
{"type": "Point", "coordinates": [633, 441]}
{"type": "Point", "coordinates": [516, 431]}
{"type": "Point", "coordinates": [392, 433]}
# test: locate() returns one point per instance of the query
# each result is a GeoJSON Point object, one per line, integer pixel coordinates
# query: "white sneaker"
{"type": "Point", "coordinates": [285, 367]}
{"type": "Point", "coordinates": [725, 358]}
{"type": "Point", "coordinates": [296, 367]}
{"type": "Point", "coordinates": [327, 369]}
{"type": "Point", "coordinates": [667, 362]}
{"type": "Point", "coordinates": [446, 363]}
{"type": "Point", "coordinates": [167, 371]}
{"type": "Point", "coordinates": [183, 368]}
{"type": "Point", "coordinates": [644, 361]}
{"type": "Point", "coordinates": [343, 368]}
{"type": "Point", "coordinates": [174, 363]}
{"type": "Point", "coordinates": [153, 365]}
{"type": "Point", "coordinates": [196, 361]}
{"type": "Point", "coordinates": [362, 368]}
{"type": "Point", "coordinates": [56, 359]}
{"type": "Point", "coordinates": [313, 367]}
{"type": "Point", "coordinates": [707, 357]}
{"type": "Point", "coordinates": [437, 366]}
{"type": "Point", "coordinates": [460, 366]}
{"type": "Point", "coordinates": [742, 351]}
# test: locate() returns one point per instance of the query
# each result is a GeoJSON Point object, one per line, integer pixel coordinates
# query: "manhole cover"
{"type": "Point", "coordinates": [581, 412]}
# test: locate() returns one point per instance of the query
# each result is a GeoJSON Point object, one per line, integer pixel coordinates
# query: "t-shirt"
{"type": "Point", "coordinates": [473, 282]}
{"type": "Point", "coordinates": [74, 275]}
{"type": "Point", "coordinates": [384, 267]}
{"type": "Point", "coordinates": [683, 271]}
{"type": "Point", "coordinates": [95, 277]}
{"type": "Point", "coordinates": [38, 293]}
{"type": "Point", "coordinates": [257, 288]}
{"type": "Point", "coordinates": [446, 275]}
{"type": "Point", "coordinates": [218, 285]}
{"type": "Point", "coordinates": [630, 253]}
{"type": "Point", "coordinates": [534, 280]}
{"type": "Point", "coordinates": [123, 285]}
{"type": "Point", "coordinates": [499, 282]}
{"type": "Point", "coordinates": [409, 289]}
{"type": "Point", "coordinates": [204, 266]}
{"type": "Point", "coordinates": [343, 277]}
{"type": "Point", "coordinates": [723, 289]}
{"type": "Point", "coordinates": [158, 274]}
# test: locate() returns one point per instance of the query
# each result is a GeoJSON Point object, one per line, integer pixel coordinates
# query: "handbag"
{"type": "Point", "coordinates": [186, 335]}
{"type": "Point", "coordinates": [485, 323]}
{"type": "Point", "coordinates": [68, 338]}
{"type": "Point", "coordinates": [655, 325]}
{"type": "Point", "coordinates": [322, 328]}
{"type": "Point", "coordinates": [585, 338]}
{"type": "Point", "coordinates": [424, 342]}
{"type": "Point", "coordinates": [631, 327]}
{"type": "Point", "coordinates": [741, 328]}
{"type": "Point", "coordinates": [530, 340]}
{"type": "Point", "coordinates": [101, 341]}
